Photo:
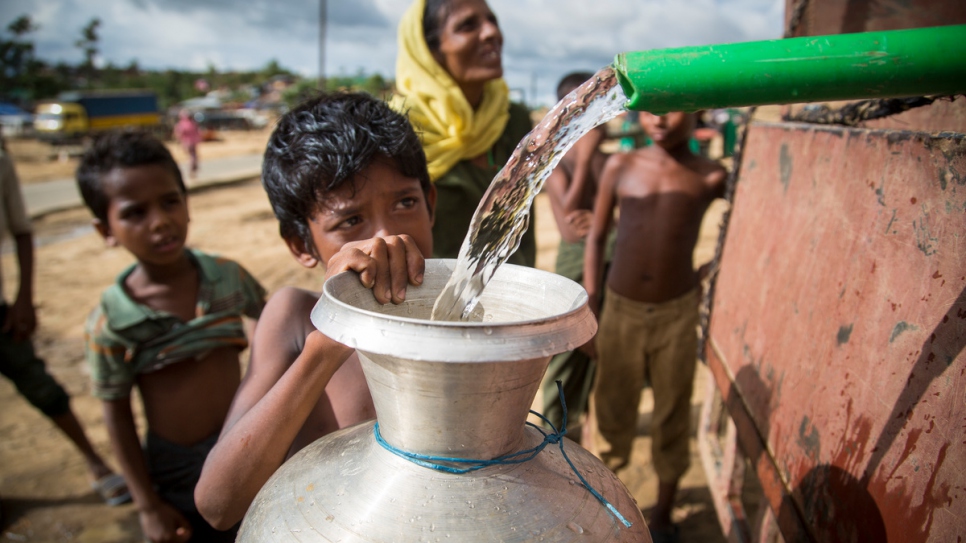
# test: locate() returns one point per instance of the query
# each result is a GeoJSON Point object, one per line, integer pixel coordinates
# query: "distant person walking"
{"type": "Point", "coordinates": [189, 136]}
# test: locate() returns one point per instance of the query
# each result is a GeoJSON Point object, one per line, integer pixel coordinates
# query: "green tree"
{"type": "Point", "coordinates": [23, 77]}
{"type": "Point", "coordinates": [299, 92]}
{"type": "Point", "coordinates": [88, 45]}
{"type": "Point", "coordinates": [16, 55]}
{"type": "Point", "coordinates": [376, 85]}
{"type": "Point", "coordinates": [22, 25]}
{"type": "Point", "coordinates": [273, 68]}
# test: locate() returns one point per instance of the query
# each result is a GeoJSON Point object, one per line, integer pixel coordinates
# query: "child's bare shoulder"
{"type": "Point", "coordinates": [618, 163]}
{"type": "Point", "coordinates": [712, 171]}
{"type": "Point", "coordinates": [286, 320]}
{"type": "Point", "coordinates": [289, 298]}
{"type": "Point", "coordinates": [624, 167]}
{"type": "Point", "coordinates": [710, 166]}
{"type": "Point", "coordinates": [289, 302]}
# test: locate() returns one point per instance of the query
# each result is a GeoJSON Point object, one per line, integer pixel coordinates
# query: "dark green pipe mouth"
{"type": "Point", "coordinates": [895, 63]}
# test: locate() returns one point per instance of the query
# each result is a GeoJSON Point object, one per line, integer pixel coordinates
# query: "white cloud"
{"type": "Point", "coordinates": [544, 38]}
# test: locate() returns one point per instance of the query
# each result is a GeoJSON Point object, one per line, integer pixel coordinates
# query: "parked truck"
{"type": "Point", "coordinates": [76, 115]}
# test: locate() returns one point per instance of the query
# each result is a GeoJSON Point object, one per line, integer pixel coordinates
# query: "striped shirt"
{"type": "Point", "coordinates": [125, 338]}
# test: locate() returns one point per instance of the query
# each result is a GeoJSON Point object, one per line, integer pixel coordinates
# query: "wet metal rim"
{"type": "Point", "coordinates": [348, 313]}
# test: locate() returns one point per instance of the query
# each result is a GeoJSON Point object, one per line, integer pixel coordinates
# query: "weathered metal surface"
{"type": "Point", "coordinates": [824, 17]}
{"type": "Point", "coordinates": [724, 466]}
{"type": "Point", "coordinates": [940, 116]}
{"type": "Point", "coordinates": [820, 17]}
{"type": "Point", "coordinates": [838, 330]}
{"type": "Point", "coordinates": [453, 390]}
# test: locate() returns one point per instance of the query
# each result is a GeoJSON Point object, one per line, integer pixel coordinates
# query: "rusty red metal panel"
{"type": "Point", "coordinates": [753, 445]}
{"type": "Point", "coordinates": [827, 17]}
{"type": "Point", "coordinates": [823, 17]}
{"type": "Point", "coordinates": [945, 115]}
{"type": "Point", "coordinates": [839, 325]}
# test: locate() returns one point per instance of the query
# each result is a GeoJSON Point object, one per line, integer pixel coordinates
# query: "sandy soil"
{"type": "Point", "coordinates": [43, 483]}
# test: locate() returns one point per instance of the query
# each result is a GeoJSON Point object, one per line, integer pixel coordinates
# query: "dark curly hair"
{"type": "Point", "coordinates": [323, 144]}
{"type": "Point", "coordinates": [124, 148]}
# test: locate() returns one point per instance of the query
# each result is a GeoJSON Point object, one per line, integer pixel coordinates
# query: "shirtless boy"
{"type": "Point", "coordinates": [171, 325]}
{"type": "Point", "coordinates": [347, 179]}
{"type": "Point", "coordinates": [648, 325]}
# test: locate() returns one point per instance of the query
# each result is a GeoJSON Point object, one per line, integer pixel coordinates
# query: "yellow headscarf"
{"type": "Point", "coordinates": [447, 125]}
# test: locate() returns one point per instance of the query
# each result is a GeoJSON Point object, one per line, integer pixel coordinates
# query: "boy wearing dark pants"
{"type": "Point", "coordinates": [172, 325]}
{"type": "Point", "coordinates": [648, 325]}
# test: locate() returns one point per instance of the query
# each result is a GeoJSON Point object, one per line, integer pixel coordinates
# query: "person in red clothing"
{"type": "Point", "coordinates": [189, 136]}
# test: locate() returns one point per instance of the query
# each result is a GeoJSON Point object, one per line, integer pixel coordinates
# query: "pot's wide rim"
{"type": "Point", "coordinates": [456, 341]}
{"type": "Point", "coordinates": [338, 280]}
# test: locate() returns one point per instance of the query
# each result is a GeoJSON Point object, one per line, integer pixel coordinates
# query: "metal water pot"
{"type": "Point", "coordinates": [456, 390]}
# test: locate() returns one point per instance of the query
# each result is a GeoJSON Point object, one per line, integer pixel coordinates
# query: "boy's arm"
{"type": "Point", "coordinates": [570, 224]}
{"type": "Point", "coordinates": [274, 400]}
{"type": "Point", "coordinates": [566, 193]}
{"type": "Point", "coordinates": [599, 229]}
{"type": "Point", "coordinates": [159, 520]}
{"type": "Point", "coordinates": [717, 180]}
{"type": "Point", "coordinates": [556, 188]}
{"type": "Point", "coordinates": [22, 318]}
{"type": "Point", "coordinates": [285, 381]}
{"type": "Point", "coordinates": [584, 149]}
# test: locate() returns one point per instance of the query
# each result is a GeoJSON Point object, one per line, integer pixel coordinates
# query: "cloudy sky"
{"type": "Point", "coordinates": [543, 39]}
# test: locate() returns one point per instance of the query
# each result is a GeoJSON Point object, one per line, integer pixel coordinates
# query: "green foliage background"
{"type": "Point", "coordinates": [26, 79]}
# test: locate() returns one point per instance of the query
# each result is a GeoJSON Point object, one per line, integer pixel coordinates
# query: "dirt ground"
{"type": "Point", "coordinates": [44, 487]}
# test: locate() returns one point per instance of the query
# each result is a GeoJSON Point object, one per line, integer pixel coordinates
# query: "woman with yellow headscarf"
{"type": "Point", "coordinates": [449, 81]}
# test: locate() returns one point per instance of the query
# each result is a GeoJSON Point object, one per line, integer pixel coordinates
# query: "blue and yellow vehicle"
{"type": "Point", "coordinates": [75, 115]}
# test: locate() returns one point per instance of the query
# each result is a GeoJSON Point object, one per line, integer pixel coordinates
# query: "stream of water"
{"type": "Point", "coordinates": [504, 212]}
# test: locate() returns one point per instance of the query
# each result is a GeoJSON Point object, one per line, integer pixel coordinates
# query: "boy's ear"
{"type": "Point", "coordinates": [431, 203]}
{"type": "Point", "coordinates": [297, 247]}
{"type": "Point", "coordinates": [105, 231]}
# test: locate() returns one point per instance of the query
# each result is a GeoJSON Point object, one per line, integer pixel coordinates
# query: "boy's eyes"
{"type": "Point", "coordinates": [132, 213]}
{"type": "Point", "coordinates": [173, 200]}
{"type": "Point", "coordinates": [354, 220]}
{"type": "Point", "coordinates": [349, 223]}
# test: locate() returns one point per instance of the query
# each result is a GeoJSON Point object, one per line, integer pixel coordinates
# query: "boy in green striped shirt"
{"type": "Point", "coordinates": [172, 325]}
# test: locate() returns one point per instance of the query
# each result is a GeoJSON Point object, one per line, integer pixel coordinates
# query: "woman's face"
{"type": "Point", "coordinates": [470, 42]}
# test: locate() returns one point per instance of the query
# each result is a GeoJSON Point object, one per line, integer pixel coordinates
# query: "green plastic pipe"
{"type": "Point", "coordinates": [887, 64]}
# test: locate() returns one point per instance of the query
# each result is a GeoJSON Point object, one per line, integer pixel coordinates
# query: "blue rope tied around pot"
{"type": "Point", "coordinates": [555, 437]}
